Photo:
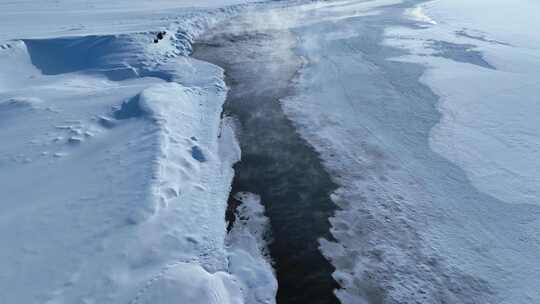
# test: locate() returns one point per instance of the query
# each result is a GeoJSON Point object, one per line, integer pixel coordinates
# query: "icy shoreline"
{"type": "Point", "coordinates": [412, 227]}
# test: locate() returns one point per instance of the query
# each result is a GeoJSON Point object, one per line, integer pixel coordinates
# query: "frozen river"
{"type": "Point", "coordinates": [393, 143]}
{"type": "Point", "coordinates": [409, 224]}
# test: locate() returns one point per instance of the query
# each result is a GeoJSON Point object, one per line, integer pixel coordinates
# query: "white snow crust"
{"type": "Point", "coordinates": [489, 122]}
{"type": "Point", "coordinates": [415, 227]}
{"type": "Point", "coordinates": [489, 128]}
{"type": "Point", "coordinates": [115, 164]}
{"type": "Point", "coordinates": [46, 19]}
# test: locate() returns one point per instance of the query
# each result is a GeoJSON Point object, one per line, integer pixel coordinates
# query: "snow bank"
{"type": "Point", "coordinates": [117, 172]}
{"type": "Point", "coordinates": [249, 278]}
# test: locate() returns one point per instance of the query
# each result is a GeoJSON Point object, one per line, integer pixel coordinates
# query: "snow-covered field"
{"type": "Point", "coordinates": [489, 126]}
{"type": "Point", "coordinates": [115, 164]}
{"type": "Point", "coordinates": [38, 19]}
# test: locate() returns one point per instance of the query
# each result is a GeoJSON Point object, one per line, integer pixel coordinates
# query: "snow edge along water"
{"type": "Point", "coordinates": [250, 277]}
{"type": "Point", "coordinates": [174, 245]}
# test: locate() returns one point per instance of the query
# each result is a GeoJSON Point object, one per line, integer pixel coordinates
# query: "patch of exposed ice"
{"type": "Point", "coordinates": [488, 128]}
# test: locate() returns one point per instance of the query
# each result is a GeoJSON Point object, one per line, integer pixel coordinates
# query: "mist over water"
{"type": "Point", "coordinates": [276, 162]}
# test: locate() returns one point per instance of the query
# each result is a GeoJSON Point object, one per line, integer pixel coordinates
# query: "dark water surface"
{"type": "Point", "coordinates": [276, 162]}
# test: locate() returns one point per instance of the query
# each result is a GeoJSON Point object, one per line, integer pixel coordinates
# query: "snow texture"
{"type": "Point", "coordinates": [248, 255]}
{"type": "Point", "coordinates": [24, 19]}
{"type": "Point", "coordinates": [438, 192]}
{"type": "Point", "coordinates": [489, 128]}
{"type": "Point", "coordinates": [489, 131]}
{"type": "Point", "coordinates": [115, 166]}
